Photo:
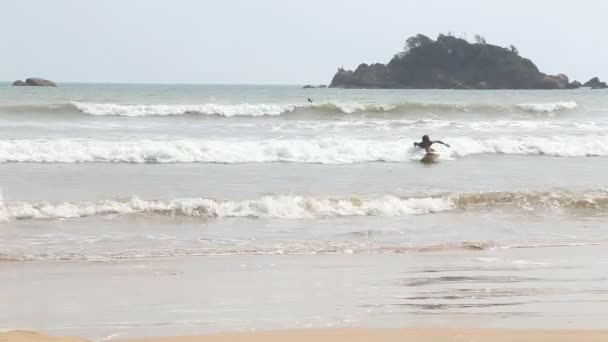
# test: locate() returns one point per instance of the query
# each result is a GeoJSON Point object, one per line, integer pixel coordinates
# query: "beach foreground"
{"type": "Point", "coordinates": [356, 335]}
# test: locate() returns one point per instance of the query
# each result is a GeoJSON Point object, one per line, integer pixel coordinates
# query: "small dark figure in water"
{"type": "Point", "coordinates": [310, 100]}
{"type": "Point", "coordinates": [427, 142]}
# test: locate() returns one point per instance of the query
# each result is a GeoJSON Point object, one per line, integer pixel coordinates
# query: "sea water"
{"type": "Point", "coordinates": [116, 173]}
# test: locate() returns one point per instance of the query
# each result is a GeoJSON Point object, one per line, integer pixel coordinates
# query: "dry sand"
{"type": "Point", "coordinates": [29, 336]}
{"type": "Point", "coordinates": [353, 335]}
{"type": "Point", "coordinates": [410, 335]}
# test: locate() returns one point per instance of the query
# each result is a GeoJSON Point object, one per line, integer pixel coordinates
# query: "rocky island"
{"type": "Point", "coordinates": [453, 63]}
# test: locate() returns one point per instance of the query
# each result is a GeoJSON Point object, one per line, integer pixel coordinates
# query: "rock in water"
{"type": "Point", "coordinates": [309, 86]}
{"type": "Point", "coordinates": [595, 83]}
{"type": "Point", "coordinates": [40, 82]}
{"type": "Point", "coordinates": [19, 83]}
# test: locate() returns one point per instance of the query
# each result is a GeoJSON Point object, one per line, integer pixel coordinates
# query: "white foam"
{"type": "Point", "coordinates": [179, 109]}
{"type": "Point", "coordinates": [241, 109]}
{"type": "Point", "coordinates": [314, 150]}
{"type": "Point", "coordinates": [549, 107]}
{"type": "Point", "coordinates": [325, 151]}
{"type": "Point", "coordinates": [558, 146]}
{"type": "Point", "coordinates": [354, 107]}
{"type": "Point", "coordinates": [283, 207]}
{"type": "Point", "coordinates": [274, 109]}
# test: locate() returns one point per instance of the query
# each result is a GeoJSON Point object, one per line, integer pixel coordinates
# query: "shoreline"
{"type": "Point", "coordinates": [352, 334]}
{"type": "Point", "coordinates": [499, 289]}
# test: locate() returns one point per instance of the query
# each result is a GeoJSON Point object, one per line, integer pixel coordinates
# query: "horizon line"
{"type": "Point", "coordinates": [181, 83]}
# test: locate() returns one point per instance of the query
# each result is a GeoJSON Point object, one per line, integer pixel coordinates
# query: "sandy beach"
{"type": "Point", "coordinates": [429, 335]}
{"type": "Point", "coordinates": [194, 296]}
{"type": "Point", "coordinates": [30, 336]}
{"type": "Point", "coordinates": [352, 335]}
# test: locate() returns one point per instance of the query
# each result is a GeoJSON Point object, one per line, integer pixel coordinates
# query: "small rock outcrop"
{"type": "Point", "coordinates": [574, 85]}
{"type": "Point", "coordinates": [559, 81]}
{"type": "Point", "coordinates": [40, 82]}
{"type": "Point", "coordinates": [595, 83]}
{"type": "Point", "coordinates": [309, 86]}
{"type": "Point", "coordinates": [35, 82]}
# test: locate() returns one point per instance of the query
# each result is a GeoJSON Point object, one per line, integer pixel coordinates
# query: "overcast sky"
{"type": "Point", "coordinates": [278, 41]}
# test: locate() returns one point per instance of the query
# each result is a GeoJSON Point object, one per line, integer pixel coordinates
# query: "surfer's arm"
{"type": "Point", "coordinates": [416, 144]}
{"type": "Point", "coordinates": [440, 142]}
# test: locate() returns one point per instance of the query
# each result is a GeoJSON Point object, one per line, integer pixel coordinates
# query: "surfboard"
{"type": "Point", "coordinates": [430, 157]}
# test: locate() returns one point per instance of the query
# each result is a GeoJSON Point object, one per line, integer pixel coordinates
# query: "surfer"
{"type": "Point", "coordinates": [310, 100]}
{"type": "Point", "coordinates": [427, 142]}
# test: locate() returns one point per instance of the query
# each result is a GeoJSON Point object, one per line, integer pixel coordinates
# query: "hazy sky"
{"type": "Point", "coordinates": [278, 41]}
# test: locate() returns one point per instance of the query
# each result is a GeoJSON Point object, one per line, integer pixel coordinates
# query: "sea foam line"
{"type": "Point", "coordinates": [281, 206]}
{"type": "Point", "coordinates": [314, 150]}
{"type": "Point", "coordinates": [307, 207]}
{"type": "Point", "coordinates": [274, 109]}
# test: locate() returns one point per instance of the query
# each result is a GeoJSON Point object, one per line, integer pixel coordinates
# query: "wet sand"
{"type": "Point", "coordinates": [512, 289]}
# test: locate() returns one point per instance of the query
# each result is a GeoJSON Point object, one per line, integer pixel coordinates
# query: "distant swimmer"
{"type": "Point", "coordinates": [310, 100]}
{"type": "Point", "coordinates": [427, 142]}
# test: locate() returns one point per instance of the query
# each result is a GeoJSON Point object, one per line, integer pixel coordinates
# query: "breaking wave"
{"type": "Point", "coordinates": [176, 109]}
{"type": "Point", "coordinates": [246, 109]}
{"type": "Point", "coordinates": [282, 207]}
{"type": "Point", "coordinates": [595, 200]}
{"type": "Point", "coordinates": [315, 150]}
{"type": "Point", "coordinates": [304, 207]}
{"type": "Point", "coordinates": [275, 109]}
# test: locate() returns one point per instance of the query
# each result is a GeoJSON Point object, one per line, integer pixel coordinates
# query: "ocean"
{"type": "Point", "coordinates": [265, 210]}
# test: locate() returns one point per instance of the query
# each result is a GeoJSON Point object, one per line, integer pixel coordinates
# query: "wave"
{"type": "Point", "coordinates": [281, 207]}
{"type": "Point", "coordinates": [306, 207]}
{"type": "Point", "coordinates": [594, 200]}
{"type": "Point", "coordinates": [557, 146]}
{"type": "Point", "coordinates": [275, 109]}
{"type": "Point", "coordinates": [177, 109]}
{"type": "Point", "coordinates": [246, 109]}
{"type": "Point", "coordinates": [315, 150]}
{"type": "Point", "coordinates": [229, 110]}
{"type": "Point", "coordinates": [548, 107]}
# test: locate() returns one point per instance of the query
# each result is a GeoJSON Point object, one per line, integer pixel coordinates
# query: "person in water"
{"type": "Point", "coordinates": [310, 100]}
{"type": "Point", "coordinates": [427, 142]}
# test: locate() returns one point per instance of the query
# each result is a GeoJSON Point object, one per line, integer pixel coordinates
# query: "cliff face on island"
{"type": "Point", "coordinates": [452, 63]}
